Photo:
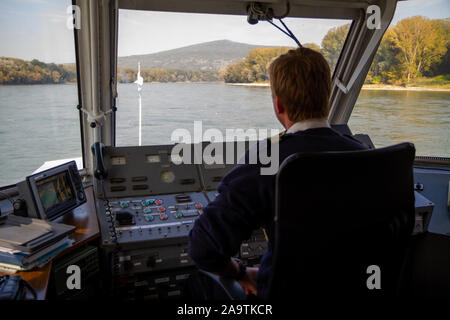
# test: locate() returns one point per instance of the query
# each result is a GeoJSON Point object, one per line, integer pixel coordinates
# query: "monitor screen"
{"type": "Point", "coordinates": [55, 192]}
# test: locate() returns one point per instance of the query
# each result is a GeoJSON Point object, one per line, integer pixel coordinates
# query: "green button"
{"type": "Point", "coordinates": [151, 201]}
{"type": "Point", "coordinates": [149, 218]}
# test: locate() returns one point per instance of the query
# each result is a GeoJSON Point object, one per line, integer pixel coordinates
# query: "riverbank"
{"type": "Point", "coordinates": [365, 87]}
{"type": "Point", "coordinates": [400, 88]}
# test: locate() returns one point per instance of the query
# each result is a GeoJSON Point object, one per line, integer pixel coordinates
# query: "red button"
{"type": "Point", "coordinates": [163, 216]}
{"type": "Point", "coordinates": [158, 202]}
{"type": "Point", "coordinates": [198, 205]}
{"type": "Point", "coordinates": [161, 209]}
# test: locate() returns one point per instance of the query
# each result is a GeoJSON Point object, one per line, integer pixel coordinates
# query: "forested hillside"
{"type": "Point", "coordinates": [415, 51]}
{"type": "Point", "coordinates": [17, 71]}
{"type": "Point", "coordinates": [415, 48]}
{"type": "Point", "coordinates": [207, 56]}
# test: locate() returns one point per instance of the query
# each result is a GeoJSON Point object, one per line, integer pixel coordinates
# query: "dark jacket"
{"type": "Point", "coordinates": [246, 202]}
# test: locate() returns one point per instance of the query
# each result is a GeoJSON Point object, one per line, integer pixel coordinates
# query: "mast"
{"type": "Point", "coordinates": [140, 81]}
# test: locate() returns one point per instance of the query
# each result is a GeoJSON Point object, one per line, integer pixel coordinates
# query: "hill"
{"type": "Point", "coordinates": [207, 56]}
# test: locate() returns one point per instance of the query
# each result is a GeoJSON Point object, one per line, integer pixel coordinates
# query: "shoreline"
{"type": "Point", "coordinates": [399, 88]}
{"type": "Point", "coordinates": [266, 85]}
{"type": "Point", "coordinates": [364, 87]}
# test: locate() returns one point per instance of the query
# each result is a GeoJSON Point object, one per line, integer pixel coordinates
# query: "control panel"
{"type": "Point", "coordinates": [148, 202]}
{"type": "Point", "coordinates": [254, 248]}
{"type": "Point", "coordinates": [160, 217]}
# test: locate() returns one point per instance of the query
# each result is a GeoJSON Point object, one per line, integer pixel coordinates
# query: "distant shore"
{"type": "Point", "coordinates": [265, 85]}
{"type": "Point", "coordinates": [365, 87]}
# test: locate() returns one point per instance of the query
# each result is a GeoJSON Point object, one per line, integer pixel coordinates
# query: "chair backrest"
{"type": "Point", "coordinates": [337, 214]}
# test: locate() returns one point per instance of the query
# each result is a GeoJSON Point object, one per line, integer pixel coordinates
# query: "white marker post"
{"type": "Point", "coordinates": [140, 81]}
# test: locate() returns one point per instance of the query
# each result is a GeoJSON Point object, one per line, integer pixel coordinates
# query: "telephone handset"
{"type": "Point", "coordinates": [100, 171]}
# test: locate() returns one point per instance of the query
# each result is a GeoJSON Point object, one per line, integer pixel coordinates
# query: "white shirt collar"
{"type": "Point", "coordinates": [308, 124]}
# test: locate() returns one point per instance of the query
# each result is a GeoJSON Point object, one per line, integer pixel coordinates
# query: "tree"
{"type": "Point", "coordinates": [442, 67]}
{"type": "Point", "coordinates": [420, 43]}
{"type": "Point", "coordinates": [333, 42]}
{"type": "Point", "coordinates": [312, 45]}
{"type": "Point", "coordinates": [56, 76]}
{"type": "Point", "coordinates": [254, 67]}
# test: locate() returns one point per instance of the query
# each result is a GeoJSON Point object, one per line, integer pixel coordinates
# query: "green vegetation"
{"type": "Point", "coordinates": [412, 53]}
{"type": "Point", "coordinates": [17, 71]}
{"type": "Point", "coordinates": [442, 81]}
{"type": "Point", "coordinates": [414, 48]}
{"type": "Point", "coordinates": [254, 67]}
{"type": "Point", "coordinates": [167, 75]}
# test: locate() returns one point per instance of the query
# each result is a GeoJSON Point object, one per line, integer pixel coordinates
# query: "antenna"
{"type": "Point", "coordinates": [140, 81]}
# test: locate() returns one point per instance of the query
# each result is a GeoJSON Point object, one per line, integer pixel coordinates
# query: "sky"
{"type": "Point", "coordinates": [32, 29]}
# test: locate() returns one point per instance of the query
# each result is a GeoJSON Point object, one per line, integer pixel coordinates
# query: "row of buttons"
{"type": "Point", "coordinates": [177, 215]}
{"type": "Point", "coordinates": [160, 230]}
{"type": "Point", "coordinates": [150, 218]}
{"type": "Point", "coordinates": [145, 203]}
{"type": "Point", "coordinates": [159, 209]}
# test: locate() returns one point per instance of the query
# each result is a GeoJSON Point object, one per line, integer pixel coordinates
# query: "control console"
{"type": "Point", "coordinates": [147, 205]}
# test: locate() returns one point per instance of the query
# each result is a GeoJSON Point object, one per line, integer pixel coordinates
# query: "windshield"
{"type": "Point", "coordinates": [39, 121]}
{"type": "Point", "coordinates": [407, 90]}
{"type": "Point", "coordinates": [205, 68]}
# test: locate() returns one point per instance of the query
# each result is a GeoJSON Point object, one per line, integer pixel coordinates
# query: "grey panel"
{"type": "Point", "coordinates": [435, 188]}
{"type": "Point", "coordinates": [212, 174]}
{"type": "Point", "coordinates": [130, 173]}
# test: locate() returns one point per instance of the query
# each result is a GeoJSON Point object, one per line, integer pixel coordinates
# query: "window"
{"type": "Point", "coordinates": [38, 92]}
{"type": "Point", "coordinates": [204, 67]}
{"type": "Point", "coordinates": [407, 91]}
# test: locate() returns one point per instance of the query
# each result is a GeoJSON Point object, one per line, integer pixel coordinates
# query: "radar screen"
{"type": "Point", "coordinates": [55, 191]}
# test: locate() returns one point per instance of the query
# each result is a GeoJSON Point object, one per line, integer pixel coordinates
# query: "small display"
{"type": "Point", "coordinates": [55, 192]}
{"type": "Point", "coordinates": [118, 161]}
{"type": "Point", "coordinates": [153, 158]}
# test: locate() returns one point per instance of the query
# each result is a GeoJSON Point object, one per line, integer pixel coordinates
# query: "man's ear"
{"type": "Point", "coordinates": [279, 106]}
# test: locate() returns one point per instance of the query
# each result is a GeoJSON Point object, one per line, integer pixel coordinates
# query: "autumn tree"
{"type": "Point", "coordinates": [312, 45]}
{"type": "Point", "coordinates": [254, 68]}
{"type": "Point", "coordinates": [333, 42]}
{"type": "Point", "coordinates": [420, 43]}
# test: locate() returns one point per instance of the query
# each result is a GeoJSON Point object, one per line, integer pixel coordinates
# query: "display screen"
{"type": "Point", "coordinates": [55, 192]}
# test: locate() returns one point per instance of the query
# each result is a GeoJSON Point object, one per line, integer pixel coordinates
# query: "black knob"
{"type": "Point", "coordinates": [127, 265]}
{"type": "Point", "coordinates": [20, 207]}
{"type": "Point", "coordinates": [151, 261]}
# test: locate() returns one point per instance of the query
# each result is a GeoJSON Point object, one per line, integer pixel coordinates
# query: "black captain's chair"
{"type": "Point", "coordinates": [337, 214]}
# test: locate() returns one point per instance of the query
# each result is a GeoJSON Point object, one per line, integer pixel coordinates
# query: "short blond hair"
{"type": "Point", "coordinates": [301, 79]}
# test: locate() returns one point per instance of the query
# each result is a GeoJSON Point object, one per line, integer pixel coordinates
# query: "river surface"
{"type": "Point", "coordinates": [40, 123]}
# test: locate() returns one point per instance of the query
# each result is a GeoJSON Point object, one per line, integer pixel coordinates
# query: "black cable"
{"type": "Point", "coordinates": [287, 32]}
{"type": "Point", "coordinates": [279, 28]}
{"type": "Point", "coordinates": [291, 34]}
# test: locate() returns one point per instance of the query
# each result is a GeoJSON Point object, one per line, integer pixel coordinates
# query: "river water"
{"type": "Point", "coordinates": [40, 123]}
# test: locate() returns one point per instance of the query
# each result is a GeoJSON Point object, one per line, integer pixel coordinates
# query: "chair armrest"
{"type": "Point", "coordinates": [232, 288]}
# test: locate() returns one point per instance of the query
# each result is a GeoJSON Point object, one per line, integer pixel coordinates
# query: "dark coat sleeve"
{"type": "Point", "coordinates": [240, 207]}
